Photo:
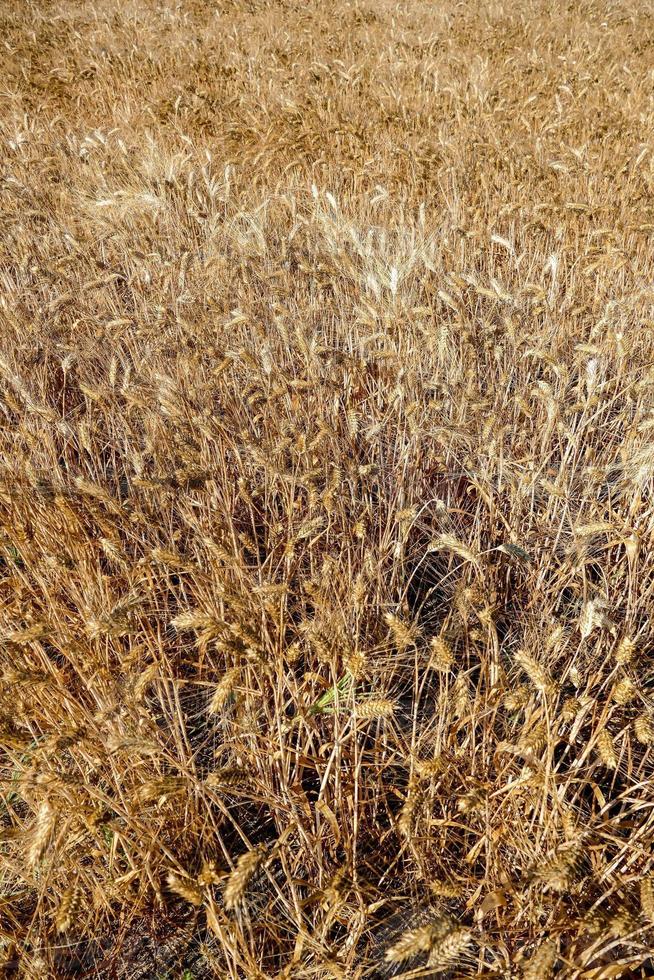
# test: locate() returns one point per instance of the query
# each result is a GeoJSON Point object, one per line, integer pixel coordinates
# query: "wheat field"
{"type": "Point", "coordinates": [326, 489]}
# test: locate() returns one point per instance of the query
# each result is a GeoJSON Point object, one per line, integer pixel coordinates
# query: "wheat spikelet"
{"type": "Point", "coordinates": [227, 777]}
{"type": "Point", "coordinates": [410, 943]}
{"type": "Point", "coordinates": [160, 789]}
{"type": "Point", "coordinates": [193, 619]}
{"type": "Point", "coordinates": [595, 922]}
{"type": "Point", "coordinates": [375, 708]}
{"type": "Point", "coordinates": [219, 552]}
{"type": "Point", "coordinates": [441, 657]}
{"type": "Point", "coordinates": [468, 599]}
{"type": "Point", "coordinates": [209, 875]}
{"type": "Point", "coordinates": [446, 542]}
{"type": "Point", "coordinates": [293, 652]}
{"type": "Point", "coordinates": [460, 697]}
{"type": "Point", "coordinates": [169, 558]}
{"type": "Point", "coordinates": [606, 750]}
{"type": "Point", "coordinates": [516, 699]}
{"type": "Point", "coordinates": [587, 619]}
{"type": "Point", "coordinates": [41, 833]}
{"type": "Point", "coordinates": [470, 801]}
{"type": "Point", "coordinates": [359, 530]}
{"type": "Point", "coordinates": [68, 908]}
{"type": "Point", "coordinates": [624, 651]}
{"type": "Point", "coordinates": [536, 673]}
{"type": "Point", "coordinates": [113, 551]}
{"type": "Point", "coordinates": [185, 888]}
{"type": "Point", "coordinates": [353, 422]}
{"type": "Point", "coordinates": [644, 729]}
{"type": "Point", "coordinates": [594, 616]}
{"type": "Point", "coordinates": [557, 873]}
{"type": "Point", "coordinates": [408, 813]}
{"type": "Point", "coordinates": [404, 634]}
{"type": "Point", "coordinates": [359, 591]}
{"type": "Point", "coordinates": [143, 681]}
{"type": "Point", "coordinates": [535, 737]}
{"type": "Point", "coordinates": [223, 690]}
{"type": "Point", "coordinates": [429, 768]}
{"type": "Point", "coordinates": [647, 898]}
{"type": "Point", "coordinates": [555, 637]}
{"type": "Point", "coordinates": [569, 824]}
{"type": "Point", "coordinates": [237, 883]}
{"type": "Point", "coordinates": [335, 889]}
{"type": "Point", "coordinates": [541, 963]}
{"type": "Point", "coordinates": [448, 951]}
{"type": "Point", "coordinates": [113, 625]}
{"type": "Point", "coordinates": [624, 691]}
{"type": "Point", "coordinates": [96, 492]}
{"type": "Point", "coordinates": [37, 631]}
{"type": "Point", "coordinates": [445, 889]}
{"type": "Point", "coordinates": [586, 530]}
{"type": "Point", "coordinates": [622, 923]}
{"type": "Point", "coordinates": [355, 664]}
{"type": "Point", "coordinates": [419, 940]}
{"type": "Point", "coordinates": [570, 709]}
{"type": "Point", "coordinates": [406, 516]}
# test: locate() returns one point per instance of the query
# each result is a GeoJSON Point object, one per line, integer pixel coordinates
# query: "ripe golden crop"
{"type": "Point", "coordinates": [326, 489]}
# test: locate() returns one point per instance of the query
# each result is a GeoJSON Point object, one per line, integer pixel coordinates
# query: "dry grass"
{"type": "Point", "coordinates": [326, 513]}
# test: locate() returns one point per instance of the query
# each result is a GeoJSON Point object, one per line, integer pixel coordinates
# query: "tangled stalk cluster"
{"type": "Point", "coordinates": [326, 490]}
